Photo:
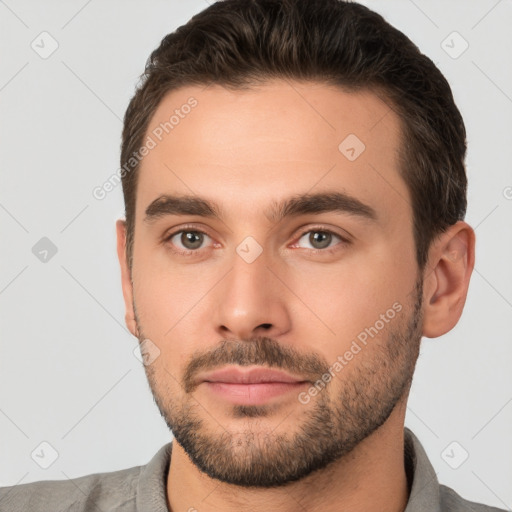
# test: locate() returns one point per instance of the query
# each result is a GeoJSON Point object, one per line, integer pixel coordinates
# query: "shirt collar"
{"type": "Point", "coordinates": [424, 493]}
{"type": "Point", "coordinates": [152, 486]}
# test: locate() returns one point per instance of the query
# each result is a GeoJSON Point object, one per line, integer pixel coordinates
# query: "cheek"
{"type": "Point", "coordinates": [345, 298]}
{"type": "Point", "coordinates": [167, 295]}
{"type": "Point", "coordinates": [162, 300]}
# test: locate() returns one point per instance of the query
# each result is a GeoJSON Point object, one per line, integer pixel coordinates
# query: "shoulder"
{"type": "Point", "coordinates": [453, 502]}
{"type": "Point", "coordinates": [114, 490]}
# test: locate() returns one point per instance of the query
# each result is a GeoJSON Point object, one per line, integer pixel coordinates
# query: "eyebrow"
{"type": "Point", "coordinates": [294, 206]}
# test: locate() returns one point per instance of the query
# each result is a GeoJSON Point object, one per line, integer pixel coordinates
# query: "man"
{"type": "Point", "coordinates": [294, 182]}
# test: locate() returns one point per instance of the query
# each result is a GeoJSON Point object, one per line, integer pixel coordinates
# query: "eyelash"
{"type": "Point", "coordinates": [318, 229]}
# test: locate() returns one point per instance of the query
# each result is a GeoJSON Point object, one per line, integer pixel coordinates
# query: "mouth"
{"type": "Point", "coordinates": [253, 386]}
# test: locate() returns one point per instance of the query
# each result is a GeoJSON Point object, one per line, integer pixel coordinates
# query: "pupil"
{"type": "Point", "coordinates": [189, 239]}
{"type": "Point", "coordinates": [315, 238]}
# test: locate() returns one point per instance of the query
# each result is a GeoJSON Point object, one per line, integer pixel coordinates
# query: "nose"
{"type": "Point", "coordinates": [252, 300]}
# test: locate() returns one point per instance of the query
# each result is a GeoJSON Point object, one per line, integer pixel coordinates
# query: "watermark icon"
{"type": "Point", "coordinates": [304, 397]}
{"type": "Point", "coordinates": [507, 192]}
{"type": "Point", "coordinates": [458, 249]}
{"type": "Point", "coordinates": [152, 140]}
{"type": "Point", "coordinates": [454, 45]}
{"type": "Point", "coordinates": [44, 249]}
{"type": "Point", "coordinates": [351, 147]}
{"type": "Point", "coordinates": [454, 455]}
{"type": "Point", "coordinates": [147, 352]}
{"type": "Point", "coordinates": [249, 249]}
{"type": "Point", "coordinates": [44, 455]}
{"type": "Point", "coordinates": [44, 45]}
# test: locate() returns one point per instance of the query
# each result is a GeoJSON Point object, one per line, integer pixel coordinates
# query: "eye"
{"type": "Point", "coordinates": [187, 240]}
{"type": "Point", "coordinates": [321, 239]}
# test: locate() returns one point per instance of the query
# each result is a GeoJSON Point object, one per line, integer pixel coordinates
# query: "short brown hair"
{"type": "Point", "coordinates": [241, 43]}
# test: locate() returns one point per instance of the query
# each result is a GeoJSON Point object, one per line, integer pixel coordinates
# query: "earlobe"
{"type": "Point", "coordinates": [126, 282]}
{"type": "Point", "coordinates": [451, 262]}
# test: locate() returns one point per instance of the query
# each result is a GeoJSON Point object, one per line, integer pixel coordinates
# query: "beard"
{"type": "Point", "coordinates": [333, 424]}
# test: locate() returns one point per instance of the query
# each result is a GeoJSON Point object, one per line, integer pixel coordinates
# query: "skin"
{"type": "Point", "coordinates": [243, 150]}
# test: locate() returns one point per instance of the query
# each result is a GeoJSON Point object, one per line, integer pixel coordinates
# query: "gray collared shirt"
{"type": "Point", "coordinates": [143, 489]}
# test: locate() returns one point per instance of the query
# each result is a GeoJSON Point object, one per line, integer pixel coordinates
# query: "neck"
{"type": "Point", "coordinates": [370, 477]}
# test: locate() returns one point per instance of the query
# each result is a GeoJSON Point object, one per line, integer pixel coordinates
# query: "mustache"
{"type": "Point", "coordinates": [261, 351]}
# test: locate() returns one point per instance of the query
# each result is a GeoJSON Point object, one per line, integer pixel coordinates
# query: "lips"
{"type": "Point", "coordinates": [250, 386]}
{"type": "Point", "coordinates": [233, 375]}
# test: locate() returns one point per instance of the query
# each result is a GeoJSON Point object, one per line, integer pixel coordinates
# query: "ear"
{"type": "Point", "coordinates": [447, 274]}
{"type": "Point", "coordinates": [125, 277]}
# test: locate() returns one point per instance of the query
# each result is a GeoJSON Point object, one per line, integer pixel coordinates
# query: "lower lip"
{"type": "Point", "coordinates": [253, 394]}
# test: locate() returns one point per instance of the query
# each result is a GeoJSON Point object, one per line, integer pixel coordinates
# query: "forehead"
{"type": "Point", "coordinates": [247, 147]}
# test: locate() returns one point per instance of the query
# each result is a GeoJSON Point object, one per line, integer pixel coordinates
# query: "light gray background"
{"type": "Point", "coordinates": [68, 374]}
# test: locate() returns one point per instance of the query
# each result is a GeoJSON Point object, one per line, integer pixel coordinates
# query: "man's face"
{"type": "Point", "coordinates": [332, 296]}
